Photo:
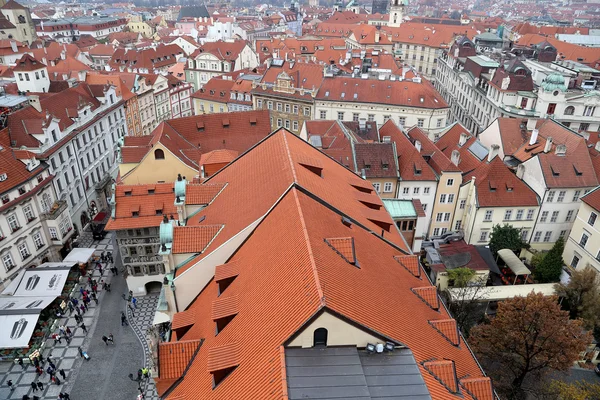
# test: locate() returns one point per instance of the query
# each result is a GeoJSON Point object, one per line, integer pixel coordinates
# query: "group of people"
{"type": "Point", "coordinates": [52, 371]}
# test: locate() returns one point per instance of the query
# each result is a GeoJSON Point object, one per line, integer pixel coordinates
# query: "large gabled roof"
{"type": "Point", "coordinates": [283, 280]}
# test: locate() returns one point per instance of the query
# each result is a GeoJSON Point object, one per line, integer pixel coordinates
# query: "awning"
{"type": "Point", "coordinates": [160, 317]}
{"type": "Point", "coordinates": [513, 262]}
{"type": "Point", "coordinates": [100, 216]}
{"type": "Point", "coordinates": [497, 293]}
{"type": "Point", "coordinates": [79, 255]}
{"type": "Point", "coordinates": [24, 299]}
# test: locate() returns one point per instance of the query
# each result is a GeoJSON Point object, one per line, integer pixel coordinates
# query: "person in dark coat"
{"type": "Point", "coordinates": [34, 386]}
{"type": "Point", "coordinates": [40, 385]}
{"type": "Point", "coordinates": [62, 373]}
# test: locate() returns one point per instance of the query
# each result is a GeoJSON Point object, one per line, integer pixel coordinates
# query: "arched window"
{"type": "Point", "coordinates": [159, 154]}
{"type": "Point", "coordinates": [320, 337]}
{"type": "Point", "coordinates": [570, 110]}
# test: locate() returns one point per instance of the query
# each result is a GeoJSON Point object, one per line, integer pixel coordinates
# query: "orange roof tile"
{"type": "Point", "coordinates": [202, 194]}
{"type": "Point", "coordinates": [444, 371]}
{"type": "Point", "coordinates": [218, 156]}
{"type": "Point", "coordinates": [448, 328]}
{"type": "Point", "coordinates": [175, 357]}
{"type": "Point", "coordinates": [480, 388]}
{"type": "Point", "coordinates": [411, 263]}
{"type": "Point", "coordinates": [193, 239]}
{"type": "Point", "coordinates": [224, 307]}
{"type": "Point", "coordinates": [429, 295]}
{"type": "Point", "coordinates": [184, 318]}
{"type": "Point", "coordinates": [225, 271]}
{"type": "Point", "coordinates": [225, 356]}
{"type": "Point", "coordinates": [344, 247]}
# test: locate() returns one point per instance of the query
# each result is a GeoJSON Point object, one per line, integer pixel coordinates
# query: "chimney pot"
{"type": "Point", "coordinates": [494, 150]}
{"type": "Point", "coordinates": [534, 137]}
{"type": "Point", "coordinates": [418, 146]}
{"type": "Point", "coordinates": [548, 145]}
{"type": "Point", "coordinates": [455, 157]}
{"type": "Point", "coordinates": [463, 139]}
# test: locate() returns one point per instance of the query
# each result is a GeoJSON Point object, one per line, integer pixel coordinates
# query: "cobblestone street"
{"type": "Point", "coordinates": [106, 374]}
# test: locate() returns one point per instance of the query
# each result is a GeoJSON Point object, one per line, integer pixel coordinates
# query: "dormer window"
{"type": "Point", "coordinates": [3, 177]}
{"type": "Point", "coordinates": [128, 193]}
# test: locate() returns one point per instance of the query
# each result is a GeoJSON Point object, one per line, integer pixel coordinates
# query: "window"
{"type": "Point", "coordinates": [13, 222]}
{"type": "Point", "coordinates": [7, 261]}
{"type": "Point", "coordinates": [37, 240]}
{"type": "Point", "coordinates": [306, 111]}
{"type": "Point", "coordinates": [458, 225]}
{"type": "Point", "coordinates": [269, 105]}
{"type": "Point", "coordinates": [446, 217]}
{"type": "Point", "coordinates": [424, 206]}
{"type": "Point", "coordinates": [576, 195]}
{"type": "Point", "coordinates": [588, 111]}
{"type": "Point", "coordinates": [569, 216]}
{"type": "Point", "coordinates": [295, 108]}
{"type": "Point", "coordinates": [451, 198]}
{"type": "Point", "coordinates": [295, 125]}
{"type": "Point", "coordinates": [507, 215]}
{"type": "Point", "coordinates": [450, 182]}
{"type": "Point", "coordinates": [584, 239]}
{"type": "Point", "coordinates": [340, 115]}
{"type": "Point", "coordinates": [439, 217]}
{"type": "Point", "coordinates": [53, 233]}
{"type": "Point", "coordinates": [537, 236]}
{"type": "Point", "coordinates": [323, 114]}
{"type": "Point", "coordinates": [279, 107]}
{"type": "Point", "coordinates": [544, 216]}
{"type": "Point", "coordinates": [287, 108]}
{"type": "Point", "coordinates": [592, 218]}
{"type": "Point", "coordinates": [370, 117]}
{"type": "Point", "coordinates": [561, 196]}
{"type": "Point", "coordinates": [287, 124]}
{"type": "Point", "coordinates": [23, 250]}
{"type": "Point", "coordinates": [554, 217]}
{"type": "Point", "coordinates": [436, 231]}
{"type": "Point", "coordinates": [524, 234]}
{"type": "Point", "coordinates": [405, 190]}
{"type": "Point", "coordinates": [530, 214]}
{"type": "Point", "coordinates": [462, 204]}
{"type": "Point", "coordinates": [562, 234]}
{"type": "Point", "coordinates": [29, 215]}
{"type": "Point", "coordinates": [550, 197]}
{"type": "Point", "coordinates": [483, 236]}
{"type": "Point", "coordinates": [520, 214]}
{"type": "Point", "coordinates": [279, 123]}
{"type": "Point", "coordinates": [439, 122]}
{"type": "Point", "coordinates": [416, 190]}
{"type": "Point", "coordinates": [420, 122]}
{"type": "Point", "coordinates": [46, 202]}
{"type": "Point", "coordinates": [488, 215]}
{"type": "Point", "coordinates": [401, 121]}
{"type": "Point", "coordinates": [442, 198]}
{"type": "Point", "coordinates": [426, 190]}
{"type": "Point", "coordinates": [575, 261]}
{"type": "Point", "coordinates": [377, 186]}
{"type": "Point", "coordinates": [387, 187]}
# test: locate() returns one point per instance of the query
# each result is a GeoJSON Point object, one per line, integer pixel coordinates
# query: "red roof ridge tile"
{"type": "Point", "coordinates": [444, 371]}
{"type": "Point", "coordinates": [429, 295]}
{"type": "Point", "coordinates": [447, 328]}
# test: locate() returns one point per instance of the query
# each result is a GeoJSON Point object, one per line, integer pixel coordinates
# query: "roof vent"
{"type": "Point", "coordinates": [200, 126]}
{"type": "Point", "coordinates": [226, 123]}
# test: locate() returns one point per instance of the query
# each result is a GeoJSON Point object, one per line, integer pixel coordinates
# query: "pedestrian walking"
{"type": "Point", "coordinates": [39, 359]}
{"type": "Point", "coordinates": [71, 308]}
{"type": "Point", "coordinates": [50, 371]}
{"type": "Point", "coordinates": [81, 290]}
{"type": "Point", "coordinates": [82, 308]}
{"type": "Point", "coordinates": [10, 384]}
{"type": "Point", "coordinates": [62, 330]}
{"type": "Point", "coordinates": [132, 310]}
{"type": "Point", "coordinates": [52, 365]}
{"type": "Point", "coordinates": [25, 397]}
{"type": "Point", "coordinates": [123, 319]}
{"type": "Point", "coordinates": [100, 269]}
{"type": "Point", "coordinates": [111, 338]}
{"type": "Point", "coordinates": [134, 302]}
{"type": "Point", "coordinates": [34, 386]}
{"type": "Point", "coordinates": [95, 298]}
{"type": "Point", "coordinates": [80, 351]}
{"type": "Point", "coordinates": [56, 380]}
{"type": "Point", "coordinates": [39, 370]}
{"type": "Point", "coordinates": [61, 396]}
{"type": "Point", "coordinates": [66, 396]}
{"type": "Point", "coordinates": [35, 397]}
{"type": "Point", "coordinates": [40, 385]}
{"type": "Point", "coordinates": [105, 339]}
{"type": "Point", "coordinates": [20, 361]}
{"type": "Point", "coordinates": [94, 289]}
{"type": "Point", "coordinates": [36, 362]}
{"type": "Point", "coordinates": [140, 374]}
{"type": "Point", "coordinates": [68, 331]}
{"type": "Point", "coordinates": [83, 327]}
{"type": "Point", "coordinates": [62, 373]}
{"type": "Point", "coordinates": [56, 338]}
{"type": "Point", "coordinates": [49, 358]}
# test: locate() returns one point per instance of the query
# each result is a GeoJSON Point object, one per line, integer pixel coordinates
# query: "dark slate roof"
{"type": "Point", "coordinates": [193, 12]}
{"type": "Point", "coordinates": [346, 372]}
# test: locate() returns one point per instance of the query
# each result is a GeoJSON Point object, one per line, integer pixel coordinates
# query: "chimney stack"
{"type": "Point", "coordinates": [13, 46]}
{"type": "Point", "coordinates": [455, 157]}
{"type": "Point", "coordinates": [494, 150]}
{"type": "Point", "coordinates": [520, 171]}
{"type": "Point", "coordinates": [534, 137]}
{"type": "Point", "coordinates": [463, 139]}
{"type": "Point", "coordinates": [597, 147]}
{"type": "Point", "coordinates": [34, 101]}
{"type": "Point", "coordinates": [561, 150]}
{"type": "Point", "coordinates": [418, 145]}
{"type": "Point", "coordinates": [531, 124]}
{"type": "Point", "coordinates": [548, 145]}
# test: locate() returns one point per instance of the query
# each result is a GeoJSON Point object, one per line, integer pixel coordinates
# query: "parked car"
{"type": "Point", "coordinates": [450, 236]}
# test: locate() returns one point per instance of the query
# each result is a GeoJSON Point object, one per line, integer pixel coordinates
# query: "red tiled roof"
{"type": "Point", "coordinates": [344, 246]}
{"type": "Point", "coordinates": [378, 160]}
{"type": "Point", "coordinates": [448, 328]}
{"type": "Point", "coordinates": [224, 307]}
{"type": "Point", "coordinates": [411, 263]}
{"type": "Point", "coordinates": [449, 142]}
{"type": "Point", "coordinates": [175, 356]}
{"type": "Point", "coordinates": [429, 295]}
{"type": "Point", "coordinates": [397, 93]}
{"type": "Point", "coordinates": [592, 198]}
{"type": "Point", "coordinates": [444, 371]}
{"type": "Point", "coordinates": [149, 59]}
{"type": "Point", "coordinates": [225, 356]}
{"type": "Point", "coordinates": [27, 63]}
{"type": "Point", "coordinates": [336, 142]}
{"type": "Point", "coordinates": [425, 34]}
{"type": "Point", "coordinates": [219, 156]}
{"type": "Point", "coordinates": [183, 319]}
{"type": "Point", "coordinates": [224, 271]}
{"type": "Point", "coordinates": [223, 50]}
{"type": "Point", "coordinates": [437, 159]}
{"type": "Point", "coordinates": [193, 239]}
{"type": "Point", "coordinates": [202, 194]}
{"type": "Point", "coordinates": [480, 388]}
{"type": "Point", "coordinates": [305, 75]}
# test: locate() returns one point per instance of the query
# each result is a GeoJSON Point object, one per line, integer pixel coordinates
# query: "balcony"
{"type": "Point", "coordinates": [57, 208]}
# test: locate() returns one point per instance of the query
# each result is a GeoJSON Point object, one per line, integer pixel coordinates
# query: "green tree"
{"type": "Point", "coordinates": [581, 390]}
{"type": "Point", "coordinates": [550, 268]}
{"type": "Point", "coordinates": [529, 337]}
{"type": "Point", "coordinates": [581, 297]}
{"type": "Point", "coordinates": [463, 298]}
{"type": "Point", "coordinates": [506, 237]}
{"type": "Point", "coordinates": [537, 259]}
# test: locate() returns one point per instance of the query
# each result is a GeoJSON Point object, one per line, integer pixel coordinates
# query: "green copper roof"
{"type": "Point", "coordinates": [554, 81]}
{"type": "Point", "coordinates": [400, 208]}
{"type": "Point", "coordinates": [180, 187]}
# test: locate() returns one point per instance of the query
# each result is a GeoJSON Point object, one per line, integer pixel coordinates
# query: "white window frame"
{"type": "Point", "coordinates": [387, 187]}
{"type": "Point", "coordinates": [38, 241]}
{"type": "Point", "coordinates": [483, 236]}
{"type": "Point", "coordinates": [23, 250]}
{"type": "Point", "coordinates": [489, 214]}
{"type": "Point", "coordinates": [53, 233]}
{"type": "Point", "coordinates": [7, 261]}
{"type": "Point", "coordinates": [377, 186]}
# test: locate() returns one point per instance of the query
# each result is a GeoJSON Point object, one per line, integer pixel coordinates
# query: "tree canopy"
{"type": "Point", "coordinates": [581, 297]}
{"type": "Point", "coordinates": [467, 290]}
{"type": "Point", "coordinates": [581, 390]}
{"type": "Point", "coordinates": [506, 237]}
{"type": "Point", "coordinates": [529, 336]}
{"type": "Point", "coordinates": [550, 267]}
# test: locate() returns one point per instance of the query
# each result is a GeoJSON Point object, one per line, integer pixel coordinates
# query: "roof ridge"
{"type": "Point", "coordinates": [309, 248]}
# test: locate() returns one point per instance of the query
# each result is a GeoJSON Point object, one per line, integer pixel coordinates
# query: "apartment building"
{"type": "Point", "coordinates": [225, 95]}
{"type": "Point", "coordinates": [35, 226]}
{"type": "Point", "coordinates": [582, 246]}
{"type": "Point", "coordinates": [180, 100]}
{"type": "Point", "coordinates": [76, 132]}
{"type": "Point", "coordinates": [288, 90]}
{"type": "Point", "coordinates": [218, 58]}
{"type": "Point", "coordinates": [69, 29]}
{"type": "Point", "coordinates": [19, 24]}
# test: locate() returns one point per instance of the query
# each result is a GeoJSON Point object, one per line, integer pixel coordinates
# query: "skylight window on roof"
{"type": "Point", "coordinates": [327, 93]}
{"type": "Point", "coordinates": [417, 169]}
{"type": "Point", "coordinates": [492, 185]}
{"type": "Point", "coordinates": [343, 95]}
{"type": "Point", "coordinates": [356, 95]}
{"type": "Point", "coordinates": [577, 171]}
{"type": "Point", "coordinates": [555, 171]}
{"type": "Point", "coordinates": [316, 141]}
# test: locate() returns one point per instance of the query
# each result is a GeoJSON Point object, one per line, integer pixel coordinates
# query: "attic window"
{"type": "Point", "coordinates": [224, 311]}
{"type": "Point", "coordinates": [384, 165]}
{"type": "Point", "coordinates": [417, 169]}
{"type": "Point", "coordinates": [493, 186]}
{"type": "Point", "coordinates": [3, 177]}
{"type": "Point", "coordinates": [222, 361]}
{"type": "Point", "coordinates": [577, 172]}
{"type": "Point", "coordinates": [150, 191]}
{"type": "Point", "coordinates": [345, 248]}
{"type": "Point", "coordinates": [200, 126]}
{"type": "Point", "coordinates": [225, 274]}
{"type": "Point", "coordinates": [128, 192]}
{"type": "Point", "coordinates": [253, 121]}
{"type": "Point", "coordinates": [226, 123]}
{"type": "Point", "coordinates": [509, 187]}
{"type": "Point", "coordinates": [555, 172]}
